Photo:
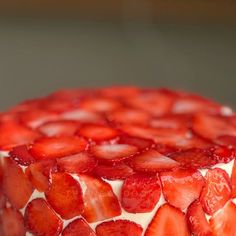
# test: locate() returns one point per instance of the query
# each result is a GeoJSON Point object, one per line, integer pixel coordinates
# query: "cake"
{"type": "Point", "coordinates": [119, 161]}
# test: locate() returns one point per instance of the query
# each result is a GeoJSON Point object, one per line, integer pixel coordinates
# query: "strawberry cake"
{"type": "Point", "coordinates": [119, 161]}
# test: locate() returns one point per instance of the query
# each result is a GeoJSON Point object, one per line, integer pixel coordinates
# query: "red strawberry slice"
{"type": "Point", "coordinates": [216, 192]}
{"type": "Point", "coordinates": [132, 116]}
{"type": "Point", "coordinates": [21, 155]}
{"type": "Point", "coordinates": [212, 127]}
{"type": "Point", "coordinates": [227, 140]}
{"type": "Point", "coordinates": [14, 134]}
{"type": "Point", "coordinates": [114, 172]}
{"type": "Point", "coordinates": [59, 128]}
{"type": "Point", "coordinates": [223, 222]}
{"type": "Point", "coordinates": [120, 92]}
{"type": "Point", "coordinates": [56, 147]}
{"type": "Point", "coordinates": [181, 187]}
{"type": "Point", "coordinates": [78, 227]}
{"type": "Point", "coordinates": [78, 163]}
{"type": "Point", "coordinates": [140, 193]}
{"type": "Point", "coordinates": [152, 161]}
{"type": "Point", "coordinates": [119, 228]}
{"type": "Point", "coordinates": [99, 104]}
{"type": "Point", "coordinates": [99, 200]}
{"type": "Point", "coordinates": [223, 154]}
{"type": "Point", "coordinates": [194, 158]}
{"type": "Point", "coordinates": [168, 220]}
{"type": "Point", "coordinates": [2, 199]}
{"type": "Point", "coordinates": [97, 132]}
{"type": "Point", "coordinates": [16, 185]}
{"type": "Point", "coordinates": [113, 152]}
{"type": "Point", "coordinates": [40, 219]}
{"type": "Point", "coordinates": [35, 117]}
{"type": "Point", "coordinates": [233, 180]}
{"type": "Point", "coordinates": [39, 173]}
{"type": "Point", "coordinates": [12, 222]}
{"type": "Point", "coordinates": [197, 221]}
{"type": "Point", "coordinates": [65, 195]}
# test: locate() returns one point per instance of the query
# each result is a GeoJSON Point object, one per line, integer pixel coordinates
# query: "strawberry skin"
{"type": "Point", "coordinates": [197, 221]}
{"type": "Point", "coordinates": [217, 190]}
{"type": "Point", "coordinates": [12, 222]}
{"type": "Point", "coordinates": [99, 200]}
{"type": "Point", "coordinates": [78, 227]}
{"type": "Point", "coordinates": [119, 228]}
{"type": "Point", "coordinates": [40, 219]}
{"type": "Point", "coordinates": [168, 221]}
{"type": "Point", "coordinates": [56, 147]}
{"type": "Point", "coordinates": [65, 195]}
{"type": "Point", "coordinates": [223, 222]}
{"type": "Point", "coordinates": [16, 185]}
{"type": "Point", "coordinates": [140, 193]}
{"type": "Point", "coordinates": [181, 187]}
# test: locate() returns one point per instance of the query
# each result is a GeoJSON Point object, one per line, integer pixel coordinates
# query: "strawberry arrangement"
{"type": "Point", "coordinates": [119, 161]}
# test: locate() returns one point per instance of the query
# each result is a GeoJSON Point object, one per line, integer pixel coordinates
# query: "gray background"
{"type": "Point", "coordinates": [37, 58]}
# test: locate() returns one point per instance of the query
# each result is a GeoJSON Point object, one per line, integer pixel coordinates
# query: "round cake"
{"type": "Point", "coordinates": [119, 161]}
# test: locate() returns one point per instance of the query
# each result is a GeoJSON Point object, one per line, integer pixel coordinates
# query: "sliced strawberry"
{"type": "Point", "coordinates": [119, 228]}
{"type": "Point", "coordinates": [233, 180]}
{"type": "Point", "coordinates": [227, 140]}
{"type": "Point", "coordinates": [14, 134]}
{"type": "Point", "coordinates": [197, 221]}
{"type": "Point", "coordinates": [181, 187]}
{"type": "Point", "coordinates": [59, 128]}
{"type": "Point", "coordinates": [65, 195]}
{"type": "Point", "coordinates": [78, 163]}
{"type": "Point", "coordinates": [21, 155]}
{"type": "Point", "coordinates": [97, 132]}
{"type": "Point", "coordinates": [16, 185]}
{"type": "Point", "coordinates": [39, 173]}
{"type": "Point", "coordinates": [194, 158]}
{"type": "Point", "coordinates": [2, 200]}
{"type": "Point", "coordinates": [113, 152]}
{"type": "Point", "coordinates": [99, 104]}
{"type": "Point", "coordinates": [78, 227]}
{"type": "Point", "coordinates": [168, 220]}
{"type": "Point", "coordinates": [132, 116]}
{"type": "Point", "coordinates": [56, 147]}
{"type": "Point", "coordinates": [152, 161]}
{"type": "Point", "coordinates": [223, 154]}
{"type": "Point", "coordinates": [35, 117]}
{"type": "Point", "coordinates": [216, 192]}
{"type": "Point", "coordinates": [114, 172]}
{"type": "Point", "coordinates": [12, 223]}
{"type": "Point", "coordinates": [223, 222]}
{"type": "Point", "coordinates": [120, 92]}
{"type": "Point", "coordinates": [99, 200]}
{"type": "Point", "coordinates": [140, 193]}
{"type": "Point", "coordinates": [40, 219]}
{"type": "Point", "coordinates": [212, 127]}
{"type": "Point", "coordinates": [140, 143]}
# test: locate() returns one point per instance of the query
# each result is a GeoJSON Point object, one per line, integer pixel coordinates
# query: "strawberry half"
{"type": "Point", "coordinates": [181, 187]}
{"type": "Point", "coordinates": [12, 223]}
{"type": "Point", "coordinates": [152, 161]}
{"type": "Point", "coordinates": [233, 180]}
{"type": "Point", "coordinates": [140, 193]}
{"type": "Point", "coordinates": [56, 147]}
{"type": "Point", "coordinates": [223, 222]}
{"type": "Point", "coordinates": [97, 133]}
{"type": "Point", "coordinates": [113, 152]}
{"type": "Point", "coordinates": [114, 172]}
{"type": "Point", "coordinates": [197, 221]}
{"type": "Point", "coordinates": [168, 220]}
{"type": "Point", "coordinates": [59, 128]}
{"type": "Point", "coordinates": [16, 185]}
{"type": "Point", "coordinates": [78, 227]}
{"type": "Point", "coordinates": [119, 228]}
{"type": "Point", "coordinates": [65, 195]}
{"type": "Point", "coordinates": [217, 190]}
{"type": "Point", "coordinates": [21, 155]}
{"type": "Point", "coordinates": [14, 134]}
{"type": "Point", "coordinates": [40, 219]}
{"type": "Point", "coordinates": [99, 200]}
{"type": "Point", "coordinates": [78, 163]}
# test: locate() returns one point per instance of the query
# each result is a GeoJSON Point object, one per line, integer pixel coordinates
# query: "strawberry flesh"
{"type": "Point", "coordinates": [233, 180]}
